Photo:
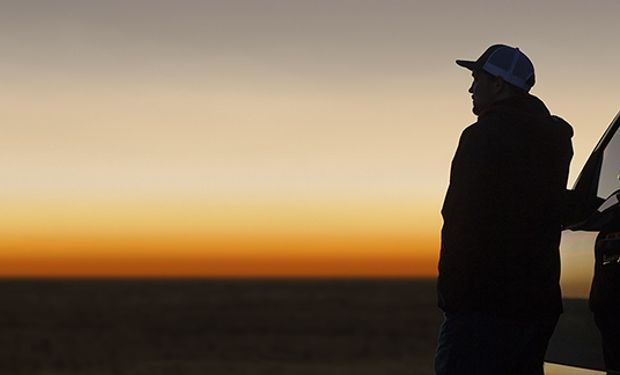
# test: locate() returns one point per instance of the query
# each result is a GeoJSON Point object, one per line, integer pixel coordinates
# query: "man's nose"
{"type": "Point", "coordinates": [471, 89]}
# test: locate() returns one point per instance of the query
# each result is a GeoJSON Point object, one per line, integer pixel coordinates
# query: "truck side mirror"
{"type": "Point", "coordinates": [600, 217]}
{"type": "Point", "coordinates": [578, 207]}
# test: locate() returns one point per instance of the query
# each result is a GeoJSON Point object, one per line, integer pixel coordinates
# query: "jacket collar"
{"type": "Point", "coordinates": [522, 104]}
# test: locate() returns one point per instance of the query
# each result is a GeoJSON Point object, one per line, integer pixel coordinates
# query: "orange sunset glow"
{"type": "Point", "coordinates": [270, 239]}
{"type": "Point", "coordinates": [258, 139]}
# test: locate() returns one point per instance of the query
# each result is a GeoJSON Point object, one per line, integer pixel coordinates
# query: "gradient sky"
{"type": "Point", "coordinates": [261, 138]}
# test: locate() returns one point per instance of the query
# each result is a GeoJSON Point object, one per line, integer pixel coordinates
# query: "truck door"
{"type": "Point", "coordinates": [577, 340]}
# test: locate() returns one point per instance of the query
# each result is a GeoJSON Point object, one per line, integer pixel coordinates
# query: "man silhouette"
{"type": "Point", "coordinates": [499, 264]}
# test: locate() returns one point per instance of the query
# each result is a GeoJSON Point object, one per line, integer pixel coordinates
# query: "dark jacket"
{"type": "Point", "coordinates": [502, 213]}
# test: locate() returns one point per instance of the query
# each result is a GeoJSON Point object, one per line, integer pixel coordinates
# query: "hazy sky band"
{"type": "Point", "coordinates": [125, 121]}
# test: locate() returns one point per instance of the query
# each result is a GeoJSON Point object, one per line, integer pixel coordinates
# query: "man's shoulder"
{"type": "Point", "coordinates": [480, 134]}
{"type": "Point", "coordinates": [562, 125]}
{"type": "Point", "coordinates": [482, 124]}
{"type": "Point", "coordinates": [470, 132]}
{"type": "Point", "coordinates": [485, 126]}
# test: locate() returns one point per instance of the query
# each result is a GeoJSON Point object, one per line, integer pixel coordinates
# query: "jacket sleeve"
{"type": "Point", "coordinates": [474, 183]}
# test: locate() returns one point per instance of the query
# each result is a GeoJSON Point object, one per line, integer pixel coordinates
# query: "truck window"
{"type": "Point", "coordinates": [608, 180]}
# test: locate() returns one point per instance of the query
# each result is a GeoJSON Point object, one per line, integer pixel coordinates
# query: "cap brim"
{"type": "Point", "coordinates": [471, 65]}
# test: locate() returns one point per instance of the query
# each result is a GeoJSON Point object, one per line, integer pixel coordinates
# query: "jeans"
{"type": "Point", "coordinates": [482, 344]}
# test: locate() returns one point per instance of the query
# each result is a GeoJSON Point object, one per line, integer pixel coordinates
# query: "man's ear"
{"type": "Point", "coordinates": [498, 84]}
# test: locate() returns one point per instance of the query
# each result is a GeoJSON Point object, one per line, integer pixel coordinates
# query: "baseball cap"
{"type": "Point", "coordinates": [506, 62]}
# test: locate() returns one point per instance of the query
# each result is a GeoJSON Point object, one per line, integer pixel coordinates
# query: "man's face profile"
{"type": "Point", "coordinates": [483, 90]}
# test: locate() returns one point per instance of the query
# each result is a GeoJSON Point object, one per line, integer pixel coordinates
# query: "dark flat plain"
{"type": "Point", "coordinates": [205, 326]}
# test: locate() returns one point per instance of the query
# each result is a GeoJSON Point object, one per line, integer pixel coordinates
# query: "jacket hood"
{"type": "Point", "coordinates": [529, 106]}
{"type": "Point", "coordinates": [523, 104]}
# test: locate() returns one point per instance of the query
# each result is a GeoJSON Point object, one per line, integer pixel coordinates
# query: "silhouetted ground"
{"type": "Point", "coordinates": [217, 327]}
